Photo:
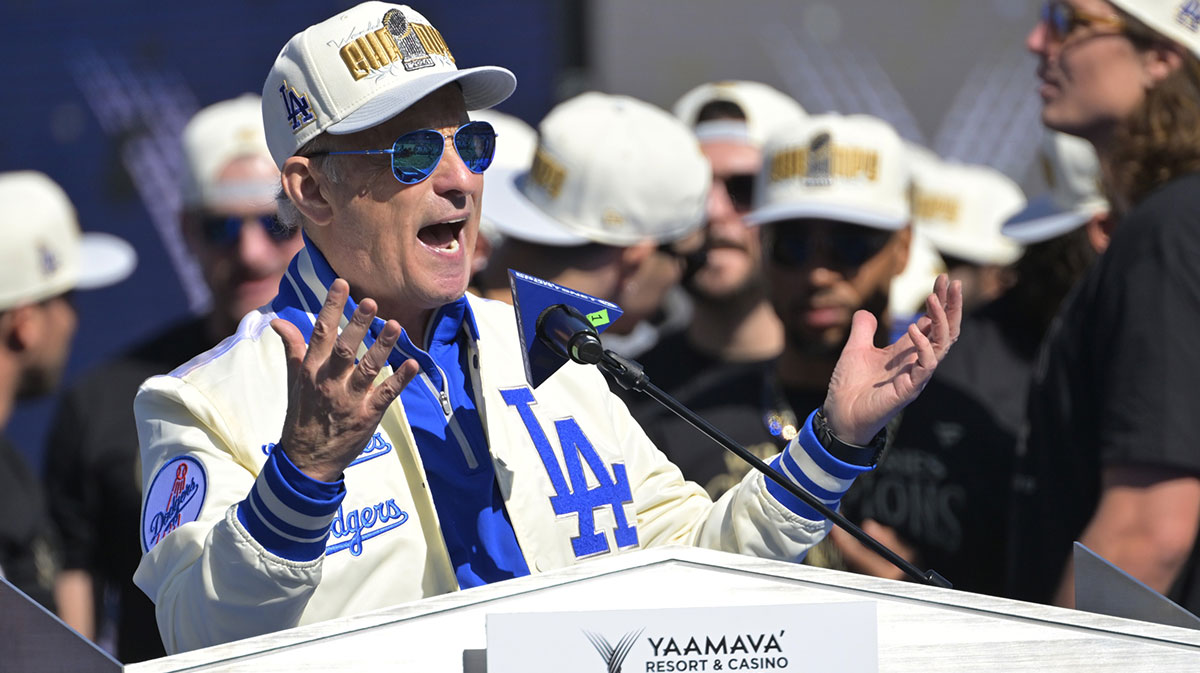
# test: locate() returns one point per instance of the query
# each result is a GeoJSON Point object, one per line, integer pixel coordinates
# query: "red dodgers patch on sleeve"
{"type": "Point", "coordinates": [175, 497]}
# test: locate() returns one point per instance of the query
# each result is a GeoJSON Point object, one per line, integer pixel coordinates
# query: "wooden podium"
{"type": "Point", "coordinates": [920, 628]}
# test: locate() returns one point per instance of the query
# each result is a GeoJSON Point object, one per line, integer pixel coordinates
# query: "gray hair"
{"type": "Point", "coordinates": [289, 216]}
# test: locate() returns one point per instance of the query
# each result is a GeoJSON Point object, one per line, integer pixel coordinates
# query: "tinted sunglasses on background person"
{"type": "Point", "coordinates": [417, 153]}
{"type": "Point", "coordinates": [1061, 18]}
{"type": "Point", "coordinates": [740, 188]}
{"type": "Point", "coordinates": [846, 246]}
{"type": "Point", "coordinates": [223, 231]}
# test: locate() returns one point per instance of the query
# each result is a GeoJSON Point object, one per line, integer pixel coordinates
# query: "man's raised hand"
{"type": "Point", "coordinates": [871, 385]}
{"type": "Point", "coordinates": [334, 404]}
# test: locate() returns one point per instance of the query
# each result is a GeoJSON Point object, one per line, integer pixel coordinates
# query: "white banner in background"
{"type": "Point", "coordinates": [813, 637]}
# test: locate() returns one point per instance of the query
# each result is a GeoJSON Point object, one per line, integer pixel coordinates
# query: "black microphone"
{"type": "Point", "coordinates": [569, 334]}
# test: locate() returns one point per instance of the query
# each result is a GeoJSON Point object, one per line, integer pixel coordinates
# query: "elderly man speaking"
{"type": "Point", "coordinates": [369, 437]}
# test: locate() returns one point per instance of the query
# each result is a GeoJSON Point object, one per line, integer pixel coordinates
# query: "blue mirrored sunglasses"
{"type": "Point", "coordinates": [417, 153]}
{"type": "Point", "coordinates": [224, 230]}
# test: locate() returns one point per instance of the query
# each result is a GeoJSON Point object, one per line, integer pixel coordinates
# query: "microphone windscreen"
{"type": "Point", "coordinates": [531, 296]}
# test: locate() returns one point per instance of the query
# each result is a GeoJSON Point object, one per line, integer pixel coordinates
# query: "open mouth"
{"type": "Point", "coordinates": [442, 236]}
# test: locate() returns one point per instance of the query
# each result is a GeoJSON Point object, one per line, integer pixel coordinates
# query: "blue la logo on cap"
{"type": "Point", "coordinates": [175, 497]}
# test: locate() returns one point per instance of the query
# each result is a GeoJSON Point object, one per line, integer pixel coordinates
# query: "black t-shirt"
{"type": "Point", "coordinates": [944, 483]}
{"type": "Point", "coordinates": [28, 549]}
{"type": "Point", "coordinates": [93, 479]}
{"type": "Point", "coordinates": [1115, 384]}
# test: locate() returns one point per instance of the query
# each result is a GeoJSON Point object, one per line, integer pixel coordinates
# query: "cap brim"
{"type": "Point", "coordinates": [516, 216]}
{"type": "Point", "coordinates": [1041, 220]}
{"type": "Point", "coordinates": [482, 88]}
{"type": "Point", "coordinates": [826, 211]}
{"type": "Point", "coordinates": [104, 259]}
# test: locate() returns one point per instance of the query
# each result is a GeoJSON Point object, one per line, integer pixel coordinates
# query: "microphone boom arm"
{"type": "Point", "coordinates": [630, 376]}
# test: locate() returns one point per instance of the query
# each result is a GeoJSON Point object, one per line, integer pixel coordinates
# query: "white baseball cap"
{"type": "Point", "coordinates": [515, 145]}
{"type": "Point", "coordinates": [216, 136]}
{"type": "Point", "coordinates": [765, 109]}
{"type": "Point", "coordinates": [1072, 171]}
{"type": "Point", "coordinates": [1176, 20]}
{"type": "Point", "coordinates": [42, 252]}
{"type": "Point", "coordinates": [844, 168]}
{"type": "Point", "coordinates": [360, 69]}
{"type": "Point", "coordinates": [960, 208]}
{"type": "Point", "coordinates": [608, 169]}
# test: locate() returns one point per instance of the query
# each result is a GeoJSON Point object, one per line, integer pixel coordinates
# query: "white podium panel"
{"type": "Point", "coordinates": [919, 628]}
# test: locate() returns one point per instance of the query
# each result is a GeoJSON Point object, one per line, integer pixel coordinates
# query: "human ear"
{"type": "Point", "coordinates": [902, 240]}
{"type": "Point", "coordinates": [307, 189]}
{"type": "Point", "coordinates": [1159, 61]}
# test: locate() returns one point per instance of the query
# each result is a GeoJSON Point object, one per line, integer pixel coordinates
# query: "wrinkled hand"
{"type": "Point", "coordinates": [871, 385]}
{"type": "Point", "coordinates": [334, 405]}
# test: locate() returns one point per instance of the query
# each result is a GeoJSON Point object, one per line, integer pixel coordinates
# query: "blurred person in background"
{"type": "Point", "coordinates": [732, 324]}
{"type": "Point", "coordinates": [944, 485]}
{"type": "Point", "coordinates": [832, 210]}
{"type": "Point", "coordinates": [1110, 456]}
{"type": "Point", "coordinates": [43, 258]}
{"type": "Point", "coordinates": [960, 208]}
{"type": "Point", "coordinates": [515, 145]}
{"type": "Point", "coordinates": [93, 466]}
{"type": "Point", "coordinates": [906, 297]}
{"type": "Point", "coordinates": [591, 220]}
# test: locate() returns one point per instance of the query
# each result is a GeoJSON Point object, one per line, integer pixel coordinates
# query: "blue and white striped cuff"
{"type": "Point", "coordinates": [288, 512]}
{"type": "Point", "coordinates": [807, 464]}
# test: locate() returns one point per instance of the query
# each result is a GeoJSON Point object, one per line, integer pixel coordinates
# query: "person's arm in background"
{"type": "Point", "coordinates": [1145, 523]}
{"type": "Point", "coordinates": [76, 607]}
{"type": "Point", "coordinates": [70, 494]}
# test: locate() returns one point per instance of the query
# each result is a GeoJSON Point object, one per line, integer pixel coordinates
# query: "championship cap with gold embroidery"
{"type": "Point", "coordinates": [636, 174]}
{"type": "Point", "coordinates": [360, 69]}
{"type": "Point", "coordinates": [832, 167]}
{"type": "Point", "coordinates": [42, 252]}
{"type": "Point", "coordinates": [762, 107]}
{"type": "Point", "coordinates": [213, 138]}
{"type": "Point", "coordinates": [1072, 171]}
{"type": "Point", "coordinates": [960, 207]}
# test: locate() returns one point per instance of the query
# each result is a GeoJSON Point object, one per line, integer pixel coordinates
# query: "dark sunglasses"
{"type": "Point", "coordinates": [416, 153]}
{"type": "Point", "coordinates": [1061, 18]}
{"type": "Point", "coordinates": [741, 190]}
{"type": "Point", "coordinates": [847, 246]}
{"type": "Point", "coordinates": [223, 231]}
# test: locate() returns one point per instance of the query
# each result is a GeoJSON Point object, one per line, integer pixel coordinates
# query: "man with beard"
{"type": "Point", "coordinates": [43, 257]}
{"type": "Point", "coordinates": [832, 197]}
{"type": "Point", "coordinates": [733, 327]}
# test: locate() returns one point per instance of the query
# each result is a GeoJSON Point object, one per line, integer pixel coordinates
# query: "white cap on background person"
{"type": "Point", "coordinates": [516, 142]}
{"type": "Point", "coordinates": [216, 136]}
{"type": "Point", "coordinates": [960, 209]}
{"type": "Point", "coordinates": [43, 254]}
{"type": "Point", "coordinates": [849, 169]}
{"type": "Point", "coordinates": [764, 107]}
{"type": "Point", "coordinates": [608, 169]}
{"type": "Point", "coordinates": [1177, 20]}
{"type": "Point", "coordinates": [911, 287]}
{"type": "Point", "coordinates": [323, 81]}
{"type": "Point", "coordinates": [1072, 171]}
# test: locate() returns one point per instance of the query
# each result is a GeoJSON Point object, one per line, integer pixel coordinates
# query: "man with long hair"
{"type": "Point", "coordinates": [1109, 455]}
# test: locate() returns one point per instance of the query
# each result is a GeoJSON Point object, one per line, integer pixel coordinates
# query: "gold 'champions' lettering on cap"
{"type": "Point", "coordinates": [547, 174]}
{"type": "Point", "coordinates": [931, 206]}
{"type": "Point", "coordinates": [398, 41]}
{"type": "Point", "coordinates": [822, 162]}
